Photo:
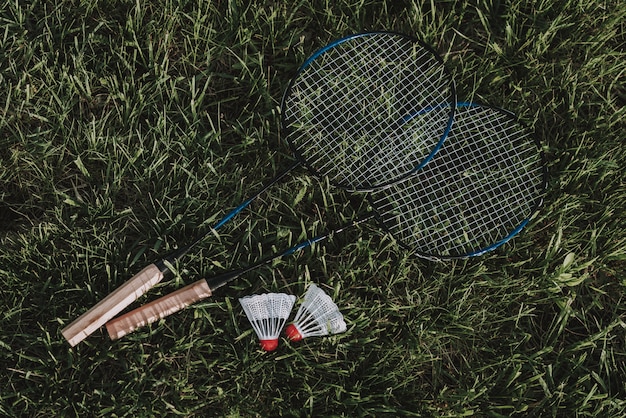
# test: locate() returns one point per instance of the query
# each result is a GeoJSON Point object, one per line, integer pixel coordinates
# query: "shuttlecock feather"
{"type": "Point", "coordinates": [317, 316]}
{"type": "Point", "coordinates": [268, 313]}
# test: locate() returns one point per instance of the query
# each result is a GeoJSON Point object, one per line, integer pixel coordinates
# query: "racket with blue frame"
{"type": "Point", "coordinates": [352, 115]}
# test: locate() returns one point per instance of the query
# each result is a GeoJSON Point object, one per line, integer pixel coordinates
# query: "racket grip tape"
{"type": "Point", "coordinates": [113, 304]}
{"type": "Point", "coordinates": [158, 309]}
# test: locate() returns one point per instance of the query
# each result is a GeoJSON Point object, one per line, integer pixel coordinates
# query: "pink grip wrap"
{"type": "Point", "coordinates": [111, 305]}
{"type": "Point", "coordinates": [158, 309]}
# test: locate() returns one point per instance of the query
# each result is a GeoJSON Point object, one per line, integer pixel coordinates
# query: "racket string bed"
{"type": "Point", "coordinates": [482, 186]}
{"type": "Point", "coordinates": [324, 159]}
{"type": "Point", "coordinates": [478, 196]}
{"type": "Point", "coordinates": [371, 140]}
{"type": "Point", "coordinates": [352, 109]}
{"type": "Point", "coordinates": [452, 219]}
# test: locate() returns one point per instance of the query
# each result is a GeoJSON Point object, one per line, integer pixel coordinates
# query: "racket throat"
{"type": "Point", "coordinates": [182, 251]}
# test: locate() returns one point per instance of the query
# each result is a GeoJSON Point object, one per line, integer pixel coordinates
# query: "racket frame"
{"type": "Point", "coordinates": [515, 231]}
{"type": "Point", "coordinates": [287, 130]}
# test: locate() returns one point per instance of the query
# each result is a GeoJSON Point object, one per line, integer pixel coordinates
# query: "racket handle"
{"type": "Point", "coordinates": [158, 309]}
{"type": "Point", "coordinates": [113, 304]}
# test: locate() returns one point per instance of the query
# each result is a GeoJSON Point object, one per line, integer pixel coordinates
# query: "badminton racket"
{"type": "Point", "coordinates": [479, 191]}
{"type": "Point", "coordinates": [348, 115]}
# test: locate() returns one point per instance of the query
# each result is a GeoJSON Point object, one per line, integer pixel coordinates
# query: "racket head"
{"type": "Point", "coordinates": [479, 191]}
{"type": "Point", "coordinates": [368, 110]}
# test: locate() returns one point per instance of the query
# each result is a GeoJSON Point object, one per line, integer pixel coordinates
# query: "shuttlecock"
{"type": "Point", "coordinates": [268, 313]}
{"type": "Point", "coordinates": [317, 316]}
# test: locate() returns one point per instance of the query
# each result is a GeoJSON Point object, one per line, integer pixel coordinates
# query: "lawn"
{"type": "Point", "coordinates": [129, 128]}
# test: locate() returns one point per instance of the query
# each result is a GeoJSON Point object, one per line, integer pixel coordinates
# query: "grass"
{"type": "Point", "coordinates": [125, 127]}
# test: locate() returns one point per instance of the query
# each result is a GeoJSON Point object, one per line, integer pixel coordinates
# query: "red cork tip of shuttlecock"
{"type": "Point", "coordinates": [269, 345]}
{"type": "Point", "coordinates": [292, 333]}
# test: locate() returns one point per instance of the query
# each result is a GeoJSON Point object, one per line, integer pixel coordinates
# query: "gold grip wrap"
{"type": "Point", "coordinates": [158, 309]}
{"type": "Point", "coordinates": [111, 305]}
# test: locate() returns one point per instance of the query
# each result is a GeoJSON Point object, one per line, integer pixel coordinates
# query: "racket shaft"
{"type": "Point", "coordinates": [245, 204]}
{"type": "Point", "coordinates": [158, 309]}
{"type": "Point", "coordinates": [111, 305]}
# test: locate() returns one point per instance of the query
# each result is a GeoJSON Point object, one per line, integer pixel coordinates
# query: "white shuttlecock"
{"type": "Point", "coordinates": [317, 316]}
{"type": "Point", "coordinates": [268, 313]}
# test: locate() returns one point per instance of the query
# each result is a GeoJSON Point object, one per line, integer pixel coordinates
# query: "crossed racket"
{"type": "Point", "coordinates": [373, 113]}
